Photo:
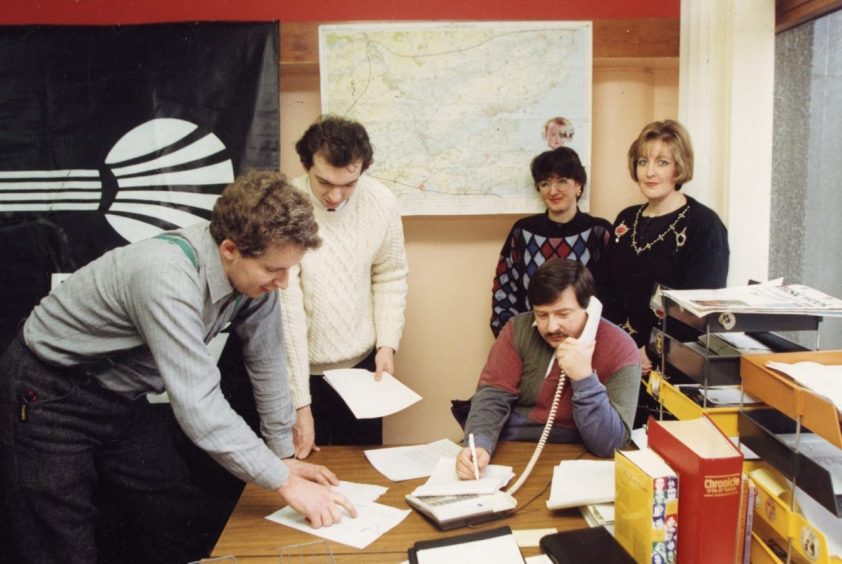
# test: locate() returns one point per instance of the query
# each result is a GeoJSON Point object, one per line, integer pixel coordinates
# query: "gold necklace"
{"type": "Point", "coordinates": [680, 237]}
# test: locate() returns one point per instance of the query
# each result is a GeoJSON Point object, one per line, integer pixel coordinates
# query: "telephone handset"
{"type": "Point", "coordinates": [594, 311]}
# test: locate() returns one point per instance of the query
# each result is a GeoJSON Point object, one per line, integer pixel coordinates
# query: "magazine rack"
{"type": "Point", "coordinates": [791, 409]}
{"type": "Point", "coordinates": [680, 350]}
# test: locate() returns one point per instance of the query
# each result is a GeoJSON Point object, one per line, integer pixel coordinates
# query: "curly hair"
{"type": "Point", "coordinates": [675, 136]}
{"type": "Point", "coordinates": [260, 209]}
{"type": "Point", "coordinates": [341, 142]}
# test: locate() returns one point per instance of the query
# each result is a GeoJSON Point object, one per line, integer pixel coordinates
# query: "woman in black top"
{"type": "Point", "coordinates": [671, 240]}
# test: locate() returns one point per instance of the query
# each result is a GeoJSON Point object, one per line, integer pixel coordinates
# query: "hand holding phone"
{"type": "Point", "coordinates": [574, 356]}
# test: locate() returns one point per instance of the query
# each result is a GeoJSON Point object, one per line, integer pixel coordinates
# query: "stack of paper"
{"type": "Point", "coordinates": [373, 520]}
{"type": "Point", "coordinates": [581, 482]}
{"type": "Point", "coordinates": [599, 515]}
{"type": "Point", "coordinates": [823, 379]}
{"type": "Point", "coordinates": [445, 481]}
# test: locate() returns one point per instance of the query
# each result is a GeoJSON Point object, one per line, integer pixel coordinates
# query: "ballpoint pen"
{"type": "Point", "coordinates": [472, 445]}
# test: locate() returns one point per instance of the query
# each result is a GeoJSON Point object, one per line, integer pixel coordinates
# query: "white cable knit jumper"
{"type": "Point", "coordinates": [349, 295]}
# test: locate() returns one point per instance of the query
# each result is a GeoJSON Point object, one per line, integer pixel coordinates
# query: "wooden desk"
{"type": "Point", "coordinates": [253, 539]}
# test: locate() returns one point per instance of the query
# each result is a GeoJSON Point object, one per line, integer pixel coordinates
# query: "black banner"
{"type": "Point", "coordinates": [112, 134]}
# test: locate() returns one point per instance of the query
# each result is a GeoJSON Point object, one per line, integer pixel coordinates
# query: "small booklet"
{"type": "Point", "coordinates": [594, 544]}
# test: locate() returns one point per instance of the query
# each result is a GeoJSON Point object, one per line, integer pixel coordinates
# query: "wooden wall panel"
{"type": "Point", "coordinates": [649, 37]}
{"type": "Point", "coordinates": [790, 13]}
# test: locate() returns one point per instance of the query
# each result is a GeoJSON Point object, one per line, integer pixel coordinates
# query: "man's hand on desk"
{"type": "Point", "coordinates": [304, 433]}
{"type": "Point", "coordinates": [465, 462]}
{"type": "Point", "coordinates": [384, 361]}
{"type": "Point", "coordinates": [317, 502]}
{"type": "Point", "coordinates": [312, 472]}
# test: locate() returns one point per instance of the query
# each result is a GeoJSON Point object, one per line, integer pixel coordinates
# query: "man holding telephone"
{"type": "Point", "coordinates": [524, 370]}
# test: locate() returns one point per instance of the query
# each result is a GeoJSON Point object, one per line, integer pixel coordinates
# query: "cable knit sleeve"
{"type": "Point", "coordinates": [389, 288]}
{"type": "Point", "coordinates": [294, 322]}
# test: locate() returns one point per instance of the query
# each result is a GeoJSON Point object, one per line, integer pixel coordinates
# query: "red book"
{"type": "Point", "coordinates": [709, 469]}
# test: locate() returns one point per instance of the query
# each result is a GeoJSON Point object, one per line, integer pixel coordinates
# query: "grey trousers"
{"type": "Point", "coordinates": [67, 444]}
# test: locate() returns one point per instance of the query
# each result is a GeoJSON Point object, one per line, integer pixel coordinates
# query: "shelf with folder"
{"type": "Point", "coordinates": [677, 402]}
{"type": "Point", "coordinates": [796, 410]}
{"type": "Point", "coordinates": [727, 321]}
{"type": "Point", "coordinates": [791, 399]}
{"type": "Point", "coordinates": [776, 526]}
{"type": "Point", "coordinates": [691, 365]}
{"type": "Point", "coordinates": [685, 340]}
{"type": "Point", "coordinates": [794, 432]}
{"type": "Point", "coordinates": [761, 430]}
{"type": "Point", "coordinates": [694, 360]}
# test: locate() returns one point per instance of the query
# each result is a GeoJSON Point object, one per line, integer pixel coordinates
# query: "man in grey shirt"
{"type": "Point", "coordinates": [135, 321]}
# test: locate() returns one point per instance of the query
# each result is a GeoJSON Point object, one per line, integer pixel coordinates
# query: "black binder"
{"type": "Point", "coordinates": [582, 546]}
{"type": "Point", "coordinates": [458, 539]}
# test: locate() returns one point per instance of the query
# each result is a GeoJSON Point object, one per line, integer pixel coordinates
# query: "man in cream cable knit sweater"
{"type": "Point", "coordinates": [344, 306]}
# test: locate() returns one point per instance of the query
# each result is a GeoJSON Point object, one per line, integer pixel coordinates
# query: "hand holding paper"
{"type": "Point", "coordinates": [368, 398]}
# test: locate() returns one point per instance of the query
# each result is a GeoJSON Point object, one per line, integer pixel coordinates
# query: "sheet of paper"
{"type": "Point", "coordinates": [727, 395]}
{"type": "Point", "coordinates": [373, 521]}
{"type": "Point", "coordinates": [823, 379]}
{"type": "Point", "coordinates": [743, 342]}
{"type": "Point", "coordinates": [366, 397]}
{"type": "Point", "coordinates": [497, 550]}
{"type": "Point", "coordinates": [820, 451]}
{"type": "Point", "coordinates": [445, 481]}
{"type": "Point", "coordinates": [581, 482]}
{"type": "Point", "coordinates": [639, 437]}
{"type": "Point", "coordinates": [531, 537]}
{"type": "Point", "coordinates": [410, 462]}
{"type": "Point", "coordinates": [538, 559]}
{"type": "Point", "coordinates": [359, 493]}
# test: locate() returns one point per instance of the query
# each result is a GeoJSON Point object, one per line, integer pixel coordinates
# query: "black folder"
{"type": "Point", "coordinates": [583, 546]}
{"type": "Point", "coordinates": [458, 539]}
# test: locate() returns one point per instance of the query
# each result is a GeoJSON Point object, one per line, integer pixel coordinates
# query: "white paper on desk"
{"type": "Point", "coordinates": [445, 481]}
{"type": "Point", "coordinates": [581, 482]}
{"type": "Point", "coordinates": [366, 397]}
{"type": "Point", "coordinates": [823, 379]}
{"type": "Point", "coordinates": [373, 520]}
{"type": "Point", "coordinates": [409, 462]}
{"type": "Point", "coordinates": [359, 494]}
{"type": "Point", "coordinates": [501, 549]}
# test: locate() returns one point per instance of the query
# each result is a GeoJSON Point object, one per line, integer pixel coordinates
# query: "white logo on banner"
{"type": "Point", "coordinates": [145, 188]}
